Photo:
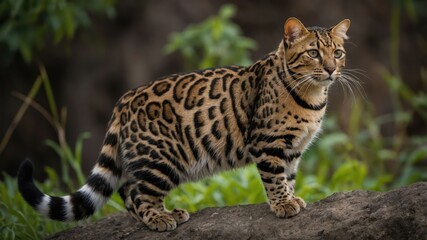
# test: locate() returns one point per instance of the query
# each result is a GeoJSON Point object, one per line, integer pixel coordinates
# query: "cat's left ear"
{"type": "Point", "coordinates": [341, 29]}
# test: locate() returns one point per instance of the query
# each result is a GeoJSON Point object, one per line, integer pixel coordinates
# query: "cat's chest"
{"type": "Point", "coordinates": [293, 130]}
{"type": "Point", "coordinates": [309, 132]}
{"type": "Point", "coordinates": [303, 133]}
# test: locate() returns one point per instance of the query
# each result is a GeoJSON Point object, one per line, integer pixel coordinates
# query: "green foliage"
{"type": "Point", "coordinates": [242, 186]}
{"type": "Point", "coordinates": [359, 156]}
{"type": "Point", "coordinates": [17, 219]}
{"type": "Point", "coordinates": [26, 25]}
{"type": "Point", "coordinates": [216, 41]}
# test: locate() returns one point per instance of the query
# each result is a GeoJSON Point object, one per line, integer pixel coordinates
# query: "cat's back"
{"type": "Point", "coordinates": [189, 90]}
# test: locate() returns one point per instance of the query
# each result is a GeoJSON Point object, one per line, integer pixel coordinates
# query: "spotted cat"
{"type": "Point", "coordinates": [184, 127]}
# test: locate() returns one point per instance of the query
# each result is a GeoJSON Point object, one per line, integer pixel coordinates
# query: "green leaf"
{"type": "Point", "coordinates": [215, 42]}
{"type": "Point", "coordinates": [26, 52]}
{"type": "Point", "coordinates": [79, 146]}
{"type": "Point", "coordinates": [227, 11]}
{"type": "Point", "coordinates": [26, 25]}
{"type": "Point", "coordinates": [351, 174]}
{"type": "Point", "coordinates": [418, 155]}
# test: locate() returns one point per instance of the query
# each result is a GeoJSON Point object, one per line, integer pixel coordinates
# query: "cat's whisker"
{"type": "Point", "coordinates": [297, 81]}
{"type": "Point", "coordinates": [354, 74]}
{"type": "Point", "coordinates": [347, 87]}
{"type": "Point", "coordinates": [357, 71]}
{"type": "Point", "coordinates": [353, 80]}
{"type": "Point", "coordinates": [301, 81]}
{"type": "Point", "coordinates": [352, 85]}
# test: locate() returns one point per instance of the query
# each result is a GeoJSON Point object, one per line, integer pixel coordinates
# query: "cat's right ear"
{"type": "Point", "coordinates": [294, 30]}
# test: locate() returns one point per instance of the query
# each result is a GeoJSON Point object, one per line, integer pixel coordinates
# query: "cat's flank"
{"type": "Point", "coordinates": [184, 127]}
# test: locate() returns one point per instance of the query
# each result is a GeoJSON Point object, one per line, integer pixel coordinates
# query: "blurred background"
{"type": "Point", "coordinates": [76, 58]}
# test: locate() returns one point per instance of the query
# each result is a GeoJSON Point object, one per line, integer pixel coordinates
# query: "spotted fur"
{"type": "Point", "coordinates": [184, 127]}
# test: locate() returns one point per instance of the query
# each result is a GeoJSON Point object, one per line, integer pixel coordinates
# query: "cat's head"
{"type": "Point", "coordinates": [314, 55]}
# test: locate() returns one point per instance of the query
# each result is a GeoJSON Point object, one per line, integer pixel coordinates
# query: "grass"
{"type": "Point", "coordinates": [17, 219]}
{"type": "Point", "coordinates": [241, 186]}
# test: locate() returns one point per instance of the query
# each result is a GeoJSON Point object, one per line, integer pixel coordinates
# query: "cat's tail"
{"type": "Point", "coordinates": [103, 180]}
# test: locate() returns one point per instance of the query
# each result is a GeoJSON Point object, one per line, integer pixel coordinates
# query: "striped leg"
{"type": "Point", "coordinates": [152, 177]}
{"type": "Point", "coordinates": [124, 192]}
{"type": "Point", "coordinates": [279, 184]}
{"type": "Point", "coordinates": [149, 209]}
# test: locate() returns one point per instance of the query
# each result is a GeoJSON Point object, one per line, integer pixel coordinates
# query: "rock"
{"type": "Point", "coordinates": [398, 214]}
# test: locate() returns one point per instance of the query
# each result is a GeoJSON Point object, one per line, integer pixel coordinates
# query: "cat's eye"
{"type": "Point", "coordinates": [338, 53]}
{"type": "Point", "coordinates": [313, 53]}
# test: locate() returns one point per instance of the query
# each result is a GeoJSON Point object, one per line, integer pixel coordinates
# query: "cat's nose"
{"type": "Point", "coordinates": [330, 69]}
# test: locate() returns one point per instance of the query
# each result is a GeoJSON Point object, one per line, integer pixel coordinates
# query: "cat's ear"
{"type": "Point", "coordinates": [341, 29]}
{"type": "Point", "coordinates": [294, 30]}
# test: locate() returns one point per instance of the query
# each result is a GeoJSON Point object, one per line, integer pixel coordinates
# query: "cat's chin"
{"type": "Point", "coordinates": [323, 82]}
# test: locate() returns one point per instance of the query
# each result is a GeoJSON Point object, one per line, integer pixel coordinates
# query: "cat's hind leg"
{"type": "Point", "coordinates": [154, 172]}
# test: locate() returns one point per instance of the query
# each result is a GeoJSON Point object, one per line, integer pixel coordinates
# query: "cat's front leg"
{"type": "Point", "coordinates": [278, 177]}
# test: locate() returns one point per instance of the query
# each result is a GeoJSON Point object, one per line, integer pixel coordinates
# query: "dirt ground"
{"type": "Point", "coordinates": [398, 214]}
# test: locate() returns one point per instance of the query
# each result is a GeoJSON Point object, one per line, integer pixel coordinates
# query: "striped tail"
{"type": "Point", "coordinates": [103, 180]}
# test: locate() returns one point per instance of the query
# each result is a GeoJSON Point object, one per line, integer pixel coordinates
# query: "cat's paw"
{"type": "Point", "coordinates": [162, 222]}
{"type": "Point", "coordinates": [157, 220]}
{"type": "Point", "coordinates": [287, 208]}
{"type": "Point", "coordinates": [180, 215]}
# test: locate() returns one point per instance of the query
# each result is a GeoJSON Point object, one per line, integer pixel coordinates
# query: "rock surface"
{"type": "Point", "coordinates": [398, 214]}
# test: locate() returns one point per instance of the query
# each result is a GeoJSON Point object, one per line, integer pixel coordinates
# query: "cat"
{"type": "Point", "coordinates": [185, 127]}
